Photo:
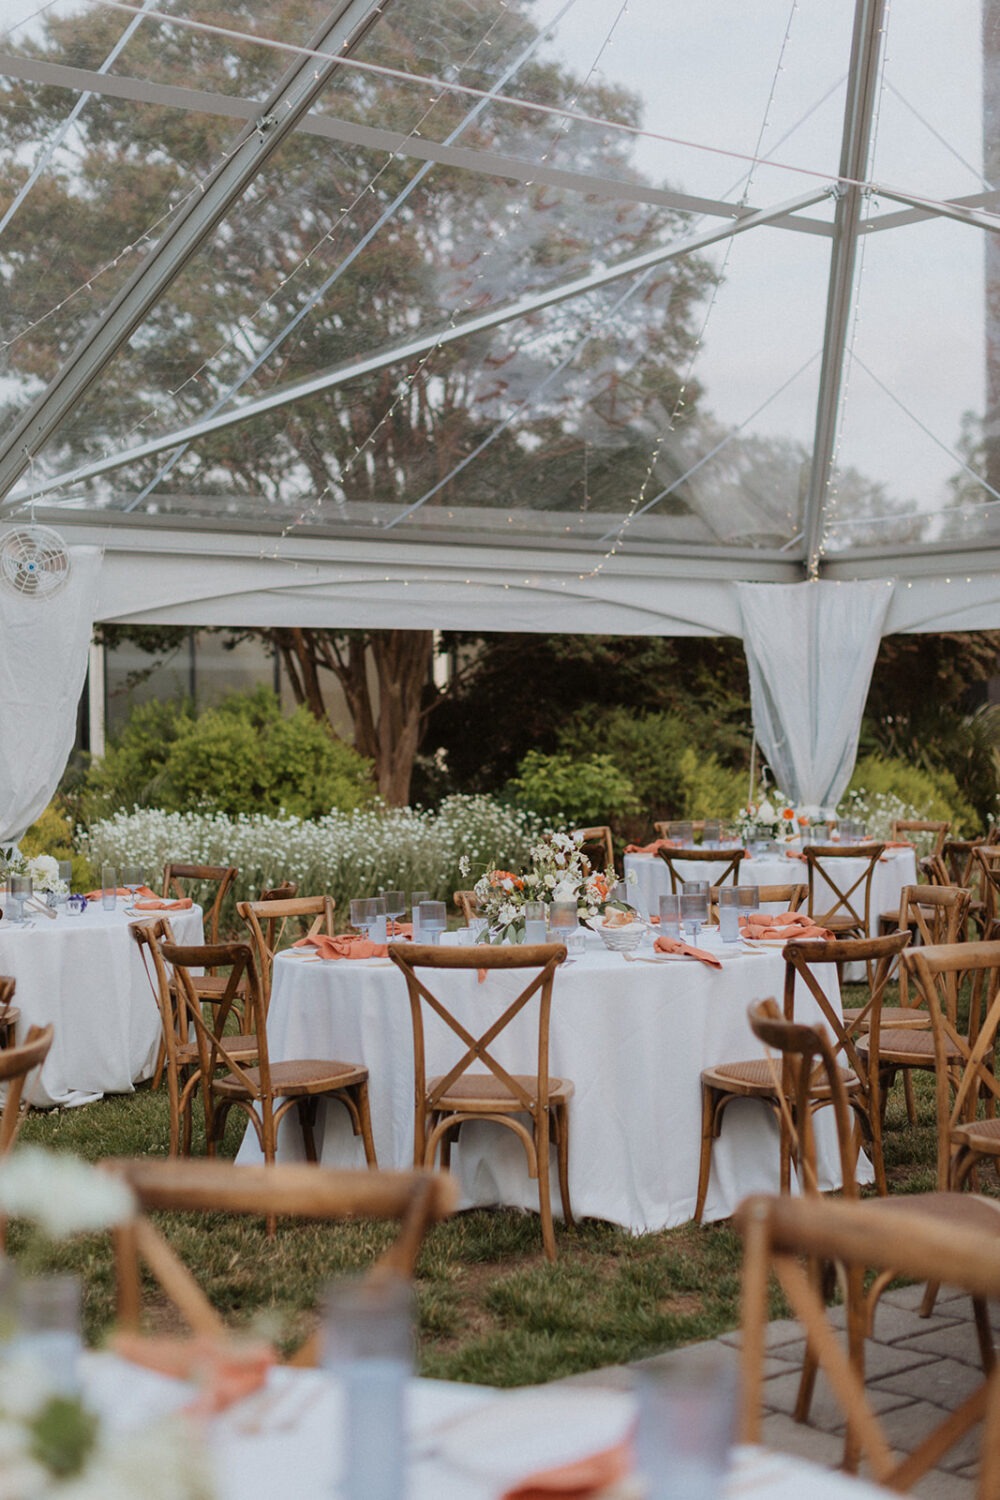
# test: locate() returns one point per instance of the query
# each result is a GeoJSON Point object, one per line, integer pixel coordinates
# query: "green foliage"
{"type": "Point", "coordinates": [929, 792]}
{"type": "Point", "coordinates": [241, 757]}
{"type": "Point", "coordinates": [52, 833]}
{"type": "Point", "coordinates": [578, 788]}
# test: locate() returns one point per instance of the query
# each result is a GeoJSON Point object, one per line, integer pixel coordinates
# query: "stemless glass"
{"type": "Point", "coordinates": [534, 922]}
{"type": "Point", "coordinates": [378, 932]}
{"type": "Point", "coordinates": [712, 837]}
{"type": "Point", "coordinates": [694, 906]}
{"type": "Point", "coordinates": [681, 833]}
{"type": "Point", "coordinates": [109, 887]}
{"type": "Point", "coordinates": [416, 901]}
{"type": "Point", "coordinates": [363, 914]}
{"type": "Point", "coordinates": [729, 913]}
{"type": "Point", "coordinates": [433, 920]}
{"type": "Point", "coordinates": [395, 905]}
{"type": "Point", "coordinates": [66, 876]}
{"type": "Point", "coordinates": [368, 1348]}
{"type": "Point", "coordinates": [670, 915]}
{"type": "Point", "coordinates": [20, 888]}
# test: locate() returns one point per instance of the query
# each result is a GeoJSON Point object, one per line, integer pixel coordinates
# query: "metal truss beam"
{"type": "Point", "coordinates": [288, 102]}
{"type": "Point", "coordinates": [401, 353]}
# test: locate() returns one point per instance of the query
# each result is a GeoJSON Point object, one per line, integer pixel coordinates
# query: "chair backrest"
{"type": "Point", "coordinates": [780, 897]}
{"type": "Point", "coordinates": [959, 856]}
{"type": "Point", "coordinates": [935, 833]}
{"type": "Point", "coordinates": [467, 903]}
{"type": "Point", "coordinates": [728, 859]}
{"type": "Point", "coordinates": [939, 974]}
{"type": "Point", "coordinates": [208, 1025]}
{"type": "Point", "coordinates": [802, 961]}
{"type": "Point", "coordinates": [778, 1232]}
{"type": "Point", "coordinates": [414, 1200]}
{"type": "Point", "coordinates": [850, 898]}
{"type": "Point", "coordinates": [804, 1050]}
{"type": "Point", "coordinates": [542, 959]}
{"type": "Point", "coordinates": [272, 925]}
{"type": "Point", "coordinates": [668, 830]}
{"type": "Point", "coordinates": [178, 878]}
{"type": "Point", "coordinates": [934, 914]}
{"type": "Point", "coordinates": [597, 846]}
{"type": "Point", "coordinates": [16, 1063]}
{"type": "Point", "coordinates": [987, 857]}
{"type": "Point", "coordinates": [286, 891]}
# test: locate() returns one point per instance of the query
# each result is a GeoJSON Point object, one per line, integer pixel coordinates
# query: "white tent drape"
{"type": "Point", "coordinates": [810, 650]}
{"type": "Point", "coordinates": [44, 644]}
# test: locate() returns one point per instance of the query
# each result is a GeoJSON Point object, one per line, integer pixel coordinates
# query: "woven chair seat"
{"type": "Point", "coordinates": [982, 1135]}
{"type": "Point", "coordinates": [211, 986]}
{"type": "Point", "coordinates": [893, 1017]}
{"type": "Point", "coordinates": [900, 1044]}
{"type": "Point", "coordinates": [840, 925]}
{"type": "Point", "coordinates": [762, 1076]}
{"type": "Point", "coordinates": [303, 1076]}
{"type": "Point", "coordinates": [475, 1091]}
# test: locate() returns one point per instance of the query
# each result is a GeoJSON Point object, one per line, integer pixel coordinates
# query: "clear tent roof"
{"type": "Point", "coordinates": [597, 275]}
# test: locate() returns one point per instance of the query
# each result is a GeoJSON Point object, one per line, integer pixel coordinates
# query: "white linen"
{"type": "Point", "coordinates": [632, 1036]}
{"type": "Point", "coordinates": [294, 1440]}
{"type": "Point", "coordinates": [810, 649]}
{"type": "Point", "coordinates": [84, 973]}
{"type": "Point", "coordinates": [43, 662]}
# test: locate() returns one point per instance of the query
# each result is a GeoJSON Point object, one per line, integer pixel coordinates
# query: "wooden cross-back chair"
{"type": "Point", "coordinates": [666, 830]}
{"type": "Point", "coordinates": [9, 1013]}
{"type": "Point", "coordinates": [755, 1078]}
{"type": "Point", "coordinates": [963, 1055]}
{"type": "Point", "coordinates": [729, 859]}
{"type": "Point", "coordinates": [273, 924]}
{"type": "Point", "coordinates": [805, 1052]}
{"type": "Point", "coordinates": [263, 1091]}
{"type": "Point", "coordinates": [782, 897]}
{"type": "Point", "coordinates": [987, 856]}
{"type": "Point", "coordinates": [962, 868]}
{"type": "Point", "coordinates": [415, 1200]}
{"type": "Point", "coordinates": [837, 901]}
{"type": "Point", "coordinates": [935, 832]}
{"type": "Point", "coordinates": [859, 1237]}
{"type": "Point", "coordinates": [467, 903]}
{"type": "Point", "coordinates": [16, 1064]}
{"type": "Point", "coordinates": [597, 846]}
{"type": "Point", "coordinates": [490, 1091]}
{"type": "Point", "coordinates": [179, 878]}
{"type": "Point", "coordinates": [180, 1057]}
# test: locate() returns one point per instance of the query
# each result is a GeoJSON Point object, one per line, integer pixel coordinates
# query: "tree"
{"type": "Point", "coordinates": [588, 405]}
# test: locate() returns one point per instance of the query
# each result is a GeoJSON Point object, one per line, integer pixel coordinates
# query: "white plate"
{"type": "Point", "coordinates": [530, 1431]}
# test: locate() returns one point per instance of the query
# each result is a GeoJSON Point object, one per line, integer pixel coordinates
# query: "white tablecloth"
{"type": "Point", "coordinates": [633, 1037]}
{"type": "Point", "coordinates": [84, 973]}
{"type": "Point", "coordinates": [295, 1440]}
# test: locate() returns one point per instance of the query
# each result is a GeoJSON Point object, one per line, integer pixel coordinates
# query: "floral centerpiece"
{"type": "Point", "coordinates": [557, 870]}
{"type": "Point", "coordinates": [772, 819]}
{"type": "Point", "coordinates": [43, 869]}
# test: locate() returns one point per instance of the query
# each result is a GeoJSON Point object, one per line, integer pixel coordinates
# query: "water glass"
{"type": "Point", "coordinates": [368, 1348]}
{"type": "Point", "coordinates": [395, 906]}
{"type": "Point", "coordinates": [49, 1328]}
{"type": "Point", "coordinates": [535, 927]}
{"type": "Point", "coordinates": [729, 913]}
{"type": "Point", "coordinates": [379, 931]}
{"type": "Point", "coordinates": [59, 898]}
{"type": "Point", "coordinates": [670, 916]}
{"type": "Point", "coordinates": [20, 888]}
{"type": "Point", "coordinates": [681, 833]}
{"type": "Point", "coordinates": [363, 913]}
{"type": "Point", "coordinates": [109, 887]}
{"type": "Point", "coordinates": [687, 1420]}
{"type": "Point", "coordinates": [132, 878]}
{"type": "Point", "coordinates": [712, 837]}
{"type": "Point", "coordinates": [433, 920]}
{"type": "Point", "coordinates": [694, 906]}
{"type": "Point", "coordinates": [416, 899]}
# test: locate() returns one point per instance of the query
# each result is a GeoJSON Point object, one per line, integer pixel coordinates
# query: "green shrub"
{"type": "Point", "coordinates": [578, 788]}
{"type": "Point", "coordinates": [891, 788]}
{"type": "Point", "coordinates": [242, 757]}
{"type": "Point", "coordinates": [52, 833]}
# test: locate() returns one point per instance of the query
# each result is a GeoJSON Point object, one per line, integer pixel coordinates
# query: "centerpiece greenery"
{"type": "Point", "coordinates": [556, 870]}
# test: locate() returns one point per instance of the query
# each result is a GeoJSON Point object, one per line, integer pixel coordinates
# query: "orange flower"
{"type": "Point", "coordinates": [498, 877]}
{"type": "Point", "coordinates": [600, 885]}
{"type": "Point", "coordinates": [788, 813]}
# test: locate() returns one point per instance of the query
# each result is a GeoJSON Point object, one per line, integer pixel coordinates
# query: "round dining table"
{"type": "Point", "coordinates": [84, 973]}
{"type": "Point", "coordinates": [633, 1034]}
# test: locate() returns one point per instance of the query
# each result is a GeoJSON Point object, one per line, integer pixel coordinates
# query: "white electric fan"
{"type": "Point", "coordinates": [34, 561]}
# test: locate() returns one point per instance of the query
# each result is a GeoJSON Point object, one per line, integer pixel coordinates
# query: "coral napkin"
{"type": "Point", "coordinates": [782, 924]}
{"type": "Point", "coordinates": [350, 945]}
{"type": "Point", "coordinates": [225, 1370]}
{"type": "Point", "coordinates": [576, 1481]}
{"type": "Point", "coordinates": [674, 945]}
{"type": "Point", "coordinates": [157, 903]}
{"type": "Point", "coordinates": [140, 890]}
{"type": "Point", "coordinates": [652, 848]}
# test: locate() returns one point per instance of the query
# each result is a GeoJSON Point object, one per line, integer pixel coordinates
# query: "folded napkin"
{"type": "Point", "coordinates": [576, 1481]}
{"type": "Point", "coordinates": [674, 945]}
{"type": "Point", "coordinates": [652, 848]}
{"type": "Point", "coordinates": [157, 903]}
{"type": "Point", "coordinates": [225, 1370]}
{"type": "Point", "coordinates": [140, 890]}
{"type": "Point", "coordinates": [899, 844]}
{"type": "Point", "coordinates": [787, 925]}
{"type": "Point", "coordinates": [401, 930]}
{"type": "Point", "coordinates": [350, 945]}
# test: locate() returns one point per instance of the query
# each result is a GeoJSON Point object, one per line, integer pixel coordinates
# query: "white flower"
{"type": "Point", "coordinates": [564, 891]}
{"type": "Point", "coordinates": [61, 1193]}
{"type": "Point", "coordinates": [766, 812]}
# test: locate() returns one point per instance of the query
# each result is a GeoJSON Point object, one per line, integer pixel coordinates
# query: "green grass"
{"type": "Point", "coordinates": [491, 1308]}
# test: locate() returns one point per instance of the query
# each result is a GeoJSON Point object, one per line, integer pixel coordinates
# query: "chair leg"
{"type": "Point", "coordinates": [984, 1333]}
{"type": "Point", "coordinates": [929, 1298]}
{"type": "Point", "coordinates": [544, 1187]}
{"type": "Point", "coordinates": [306, 1111]}
{"type": "Point", "coordinates": [365, 1119]}
{"type": "Point", "coordinates": [911, 1105]}
{"type": "Point", "coordinates": [705, 1161]}
{"type": "Point", "coordinates": [562, 1148]}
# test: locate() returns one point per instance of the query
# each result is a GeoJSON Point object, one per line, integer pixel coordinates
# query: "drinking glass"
{"type": "Point", "coordinates": [59, 898]}
{"type": "Point", "coordinates": [49, 1328]}
{"type": "Point", "coordinates": [712, 837]}
{"type": "Point", "coordinates": [687, 1418]}
{"type": "Point", "coordinates": [416, 900]}
{"type": "Point", "coordinates": [132, 879]}
{"type": "Point", "coordinates": [395, 906]}
{"type": "Point", "coordinates": [681, 833]}
{"type": "Point", "coordinates": [433, 920]}
{"type": "Point", "coordinates": [368, 1348]}
{"type": "Point", "coordinates": [670, 916]}
{"type": "Point", "coordinates": [535, 929]}
{"type": "Point", "coordinates": [363, 914]}
{"type": "Point", "coordinates": [748, 899]}
{"type": "Point", "coordinates": [20, 888]}
{"type": "Point", "coordinates": [109, 887]}
{"type": "Point", "coordinates": [378, 931]}
{"type": "Point", "coordinates": [729, 913]}
{"type": "Point", "coordinates": [694, 906]}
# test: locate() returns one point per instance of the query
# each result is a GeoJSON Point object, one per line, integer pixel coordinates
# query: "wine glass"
{"type": "Point", "coordinates": [132, 879]}
{"type": "Point", "coordinates": [433, 920]}
{"type": "Point", "coordinates": [20, 888]}
{"type": "Point", "coordinates": [694, 906]}
{"type": "Point", "coordinates": [395, 905]}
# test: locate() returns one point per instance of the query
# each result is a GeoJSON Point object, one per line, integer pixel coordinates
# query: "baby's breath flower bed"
{"type": "Point", "coordinates": [342, 854]}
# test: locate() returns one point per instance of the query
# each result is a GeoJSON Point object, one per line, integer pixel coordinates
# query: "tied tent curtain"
{"type": "Point", "coordinates": [44, 645]}
{"type": "Point", "coordinates": [810, 651]}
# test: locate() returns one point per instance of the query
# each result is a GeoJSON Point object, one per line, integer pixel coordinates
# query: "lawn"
{"type": "Point", "coordinates": [491, 1308]}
